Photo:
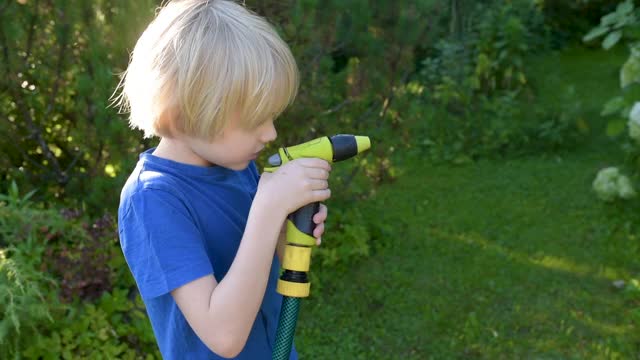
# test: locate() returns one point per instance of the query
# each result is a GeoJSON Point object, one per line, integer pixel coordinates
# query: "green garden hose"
{"type": "Point", "coordinates": [286, 328]}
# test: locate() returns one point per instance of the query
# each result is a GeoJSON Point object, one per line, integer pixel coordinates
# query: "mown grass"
{"type": "Point", "coordinates": [498, 259]}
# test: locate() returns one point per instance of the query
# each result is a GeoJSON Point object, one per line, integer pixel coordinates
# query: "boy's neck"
{"type": "Point", "coordinates": [176, 150]}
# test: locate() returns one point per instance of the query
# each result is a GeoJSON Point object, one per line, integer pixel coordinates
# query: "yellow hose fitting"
{"type": "Point", "coordinates": [296, 258]}
{"type": "Point", "coordinates": [293, 289]}
{"type": "Point", "coordinates": [295, 236]}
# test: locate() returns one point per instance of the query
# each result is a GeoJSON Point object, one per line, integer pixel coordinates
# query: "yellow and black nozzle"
{"type": "Point", "coordinates": [297, 254]}
{"type": "Point", "coordinates": [332, 149]}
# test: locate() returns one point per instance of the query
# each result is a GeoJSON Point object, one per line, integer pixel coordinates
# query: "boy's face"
{"type": "Point", "coordinates": [235, 147]}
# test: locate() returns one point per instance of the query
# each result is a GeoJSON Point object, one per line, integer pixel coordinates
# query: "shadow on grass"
{"type": "Point", "coordinates": [500, 302]}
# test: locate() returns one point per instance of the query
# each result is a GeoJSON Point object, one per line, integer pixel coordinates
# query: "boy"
{"type": "Point", "coordinates": [198, 226]}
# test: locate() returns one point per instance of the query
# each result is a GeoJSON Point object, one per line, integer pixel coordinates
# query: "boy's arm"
{"type": "Point", "coordinates": [223, 318]}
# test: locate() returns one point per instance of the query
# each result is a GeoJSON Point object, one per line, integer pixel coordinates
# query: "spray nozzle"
{"type": "Point", "coordinates": [332, 149]}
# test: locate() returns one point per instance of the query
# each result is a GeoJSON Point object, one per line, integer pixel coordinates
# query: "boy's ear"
{"type": "Point", "coordinates": [169, 123]}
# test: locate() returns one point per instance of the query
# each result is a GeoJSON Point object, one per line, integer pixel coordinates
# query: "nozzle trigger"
{"type": "Point", "coordinates": [275, 160]}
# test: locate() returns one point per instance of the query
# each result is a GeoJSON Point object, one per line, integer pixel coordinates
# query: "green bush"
{"type": "Point", "coordinates": [503, 37]}
{"type": "Point", "coordinates": [65, 289]}
{"type": "Point", "coordinates": [116, 327]}
{"type": "Point", "coordinates": [568, 20]}
{"type": "Point", "coordinates": [353, 56]}
{"type": "Point", "coordinates": [622, 26]}
{"type": "Point", "coordinates": [60, 62]}
{"type": "Point", "coordinates": [57, 73]}
{"type": "Point", "coordinates": [477, 96]}
{"type": "Point", "coordinates": [27, 297]}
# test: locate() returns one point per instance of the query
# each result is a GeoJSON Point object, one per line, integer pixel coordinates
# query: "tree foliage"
{"type": "Point", "coordinates": [59, 60]}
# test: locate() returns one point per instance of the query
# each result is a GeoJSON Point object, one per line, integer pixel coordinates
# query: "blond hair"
{"type": "Point", "coordinates": [200, 62]}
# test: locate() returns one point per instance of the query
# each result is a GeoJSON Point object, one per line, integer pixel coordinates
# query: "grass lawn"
{"type": "Point", "coordinates": [498, 259]}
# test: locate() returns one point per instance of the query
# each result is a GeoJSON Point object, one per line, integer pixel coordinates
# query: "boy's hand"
{"type": "Point", "coordinates": [319, 220]}
{"type": "Point", "coordinates": [295, 184]}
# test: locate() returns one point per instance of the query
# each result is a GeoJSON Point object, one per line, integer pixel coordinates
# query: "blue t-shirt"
{"type": "Point", "coordinates": [178, 223]}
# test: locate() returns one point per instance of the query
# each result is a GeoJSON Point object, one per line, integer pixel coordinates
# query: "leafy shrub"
{"type": "Point", "coordinates": [352, 239]}
{"type": "Point", "coordinates": [57, 73]}
{"type": "Point", "coordinates": [27, 297]}
{"type": "Point", "coordinates": [83, 265]}
{"type": "Point", "coordinates": [568, 20]}
{"type": "Point", "coordinates": [502, 38]}
{"type": "Point", "coordinates": [116, 327]}
{"type": "Point", "coordinates": [632, 294]}
{"type": "Point", "coordinates": [60, 59]}
{"type": "Point", "coordinates": [65, 289]}
{"type": "Point", "coordinates": [622, 25]}
{"type": "Point", "coordinates": [489, 56]}
{"type": "Point", "coordinates": [76, 252]}
{"type": "Point", "coordinates": [478, 96]}
{"type": "Point", "coordinates": [352, 55]}
{"type": "Point", "coordinates": [614, 25]}
{"type": "Point", "coordinates": [498, 125]}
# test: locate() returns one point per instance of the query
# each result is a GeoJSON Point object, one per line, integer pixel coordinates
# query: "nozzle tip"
{"type": "Point", "coordinates": [364, 143]}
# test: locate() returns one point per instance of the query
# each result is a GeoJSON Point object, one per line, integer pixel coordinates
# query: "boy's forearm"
{"type": "Point", "coordinates": [235, 301]}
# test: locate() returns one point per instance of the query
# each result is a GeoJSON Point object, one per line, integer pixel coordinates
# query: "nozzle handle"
{"type": "Point", "coordinates": [303, 218]}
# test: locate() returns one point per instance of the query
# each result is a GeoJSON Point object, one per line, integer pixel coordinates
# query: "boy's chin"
{"type": "Point", "coordinates": [238, 167]}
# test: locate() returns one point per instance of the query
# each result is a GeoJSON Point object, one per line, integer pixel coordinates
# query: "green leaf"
{"type": "Point", "coordinates": [611, 39]}
{"type": "Point", "coordinates": [13, 191]}
{"type": "Point", "coordinates": [625, 21]}
{"type": "Point", "coordinates": [609, 19]}
{"type": "Point", "coordinates": [630, 71]}
{"type": "Point", "coordinates": [28, 195]}
{"type": "Point", "coordinates": [613, 106]}
{"type": "Point", "coordinates": [616, 127]}
{"type": "Point", "coordinates": [625, 7]}
{"type": "Point", "coordinates": [595, 32]}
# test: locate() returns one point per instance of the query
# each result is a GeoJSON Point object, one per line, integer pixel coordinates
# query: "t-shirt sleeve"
{"type": "Point", "coordinates": [161, 242]}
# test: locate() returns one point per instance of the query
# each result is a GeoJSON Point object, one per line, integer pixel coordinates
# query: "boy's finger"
{"type": "Point", "coordinates": [317, 173]}
{"type": "Point", "coordinates": [321, 215]}
{"type": "Point", "coordinates": [315, 163]}
{"type": "Point", "coordinates": [317, 184]}
{"type": "Point", "coordinates": [320, 195]}
{"type": "Point", "coordinates": [318, 231]}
